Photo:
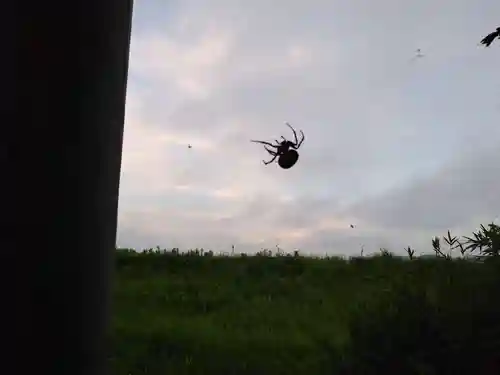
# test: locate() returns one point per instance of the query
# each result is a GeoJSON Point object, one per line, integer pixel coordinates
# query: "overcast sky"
{"type": "Point", "coordinates": [404, 148]}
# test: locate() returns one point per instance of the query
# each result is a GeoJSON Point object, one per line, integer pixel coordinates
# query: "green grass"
{"type": "Point", "coordinates": [187, 314]}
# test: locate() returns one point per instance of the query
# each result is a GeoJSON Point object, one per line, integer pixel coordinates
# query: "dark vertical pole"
{"type": "Point", "coordinates": [62, 123]}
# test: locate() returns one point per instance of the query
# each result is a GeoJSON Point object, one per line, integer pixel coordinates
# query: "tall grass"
{"type": "Point", "coordinates": [198, 313]}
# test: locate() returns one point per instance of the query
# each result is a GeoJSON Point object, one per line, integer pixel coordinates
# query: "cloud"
{"type": "Point", "coordinates": [464, 190]}
{"type": "Point", "coordinates": [404, 150]}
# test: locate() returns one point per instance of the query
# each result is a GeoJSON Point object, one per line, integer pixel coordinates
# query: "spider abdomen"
{"type": "Point", "coordinates": [288, 159]}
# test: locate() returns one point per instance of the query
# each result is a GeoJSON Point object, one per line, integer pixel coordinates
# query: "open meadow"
{"type": "Point", "coordinates": [199, 313]}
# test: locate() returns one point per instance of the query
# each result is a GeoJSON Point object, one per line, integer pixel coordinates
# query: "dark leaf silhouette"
{"type": "Point", "coordinates": [487, 40]}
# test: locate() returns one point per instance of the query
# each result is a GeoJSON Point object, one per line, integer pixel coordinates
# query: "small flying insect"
{"type": "Point", "coordinates": [286, 151]}
{"type": "Point", "coordinates": [488, 39]}
{"type": "Point", "coordinates": [418, 55]}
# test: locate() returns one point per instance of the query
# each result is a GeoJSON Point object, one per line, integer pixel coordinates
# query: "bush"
{"type": "Point", "coordinates": [201, 313]}
{"type": "Point", "coordinates": [409, 332]}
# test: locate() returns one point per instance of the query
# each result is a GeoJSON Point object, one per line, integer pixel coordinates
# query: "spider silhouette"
{"type": "Point", "coordinates": [285, 150]}
{"type": "Point", "coordinates": [488, 39]}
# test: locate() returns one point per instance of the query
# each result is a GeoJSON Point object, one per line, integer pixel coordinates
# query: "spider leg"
{"type": "Point", "coordinates": [265, 143]}
{"type": "Point", "coordinates": [270, 161]}
{"type": "Point", "coordinates": [302, 139]}
{"type": "Point", "coordinates": [271, 151]}
{"type": "Point", "coordinates": [294, 132]}
{"type": "Point", "coordinates": [297, 145]}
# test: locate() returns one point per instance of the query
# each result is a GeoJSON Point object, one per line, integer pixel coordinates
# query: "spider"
{"type": "Point", "coordinates": [285, 150]}
{"type": "Point", "coordinates": [488, 39]}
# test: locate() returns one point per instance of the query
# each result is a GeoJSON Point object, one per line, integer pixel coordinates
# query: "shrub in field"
{"type": "Point", "coordinates": [385, 252]}
{"type": "Point", "coordinates": [197, 312]}
{"type": "Point", "coordinates": [410, 252]}
{"type": "Point", "coordinates": [407, 332]}
{"type": "Point", "coordinates": [396, 335]}
{"type": "Point", "coordinates": [487, 241]}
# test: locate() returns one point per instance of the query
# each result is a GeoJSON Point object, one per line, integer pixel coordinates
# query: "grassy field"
{"type": "Point", "coordinates": [197, 314]}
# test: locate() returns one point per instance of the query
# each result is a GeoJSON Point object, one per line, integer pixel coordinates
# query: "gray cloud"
{"type": "Point", "coordinates": [464, 190]}
{"type": "Point", "coordinates": [405, 149]}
